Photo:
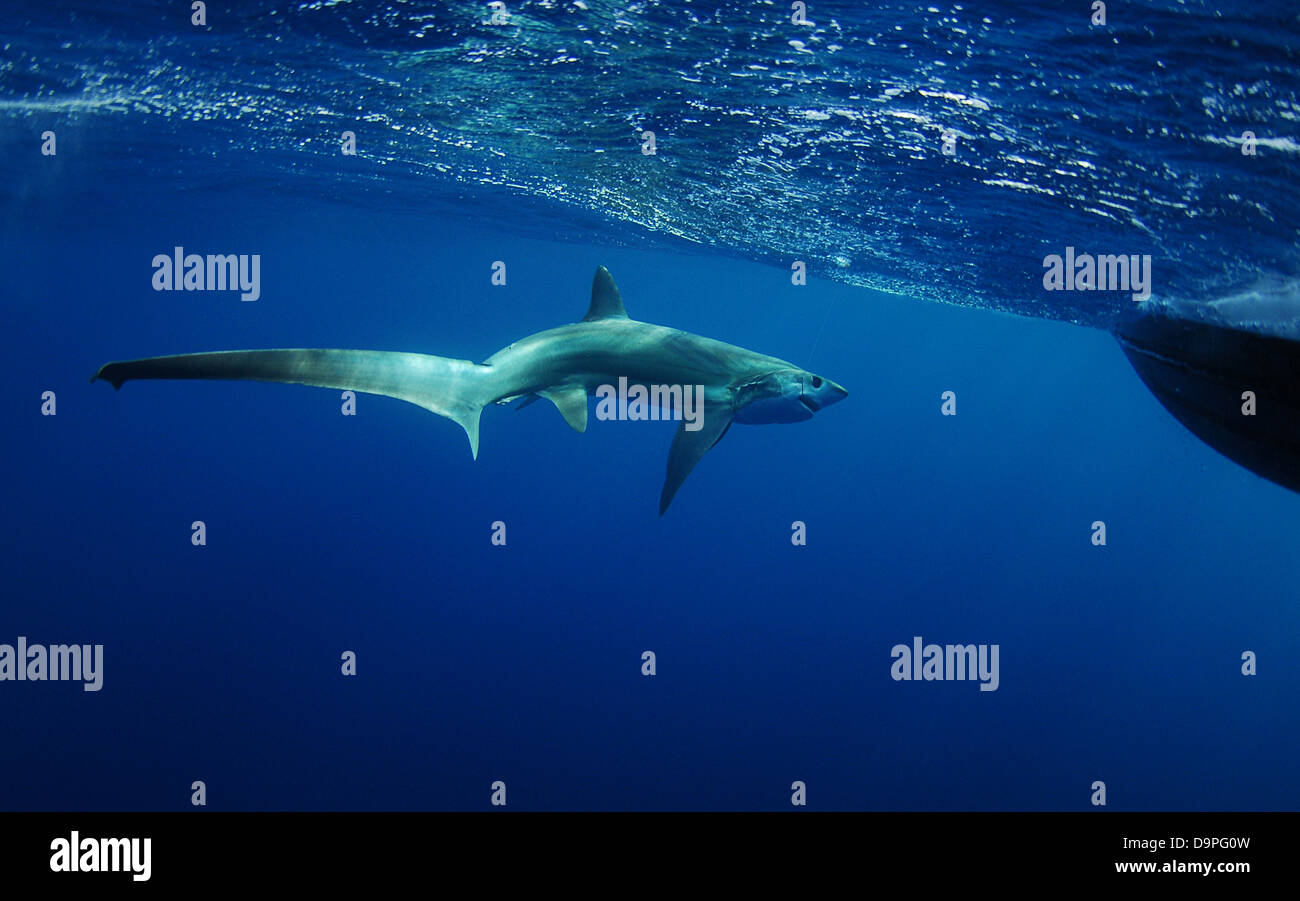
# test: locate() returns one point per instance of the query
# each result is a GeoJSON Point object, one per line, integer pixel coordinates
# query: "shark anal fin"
{"type": "Point", "coordinates": [571, 401]}
{"type": "Point", "coordinates": [606, 302]}
{"type": "Point", "coordinates": [689, 447]}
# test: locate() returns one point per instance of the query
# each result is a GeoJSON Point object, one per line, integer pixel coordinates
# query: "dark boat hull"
{"type": "Point", "coordinates": [1200, 372]}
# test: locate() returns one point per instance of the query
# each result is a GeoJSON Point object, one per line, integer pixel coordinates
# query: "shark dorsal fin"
{"type": "Point", "coordinates": [605, 300]}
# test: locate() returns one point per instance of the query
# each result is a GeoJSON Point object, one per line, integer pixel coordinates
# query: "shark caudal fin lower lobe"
{"type": "Point", "coordinates": [456, 389]}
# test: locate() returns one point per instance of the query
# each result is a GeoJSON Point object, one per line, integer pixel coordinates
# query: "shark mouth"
{"type": "Point", "coordinates": [809, 402]}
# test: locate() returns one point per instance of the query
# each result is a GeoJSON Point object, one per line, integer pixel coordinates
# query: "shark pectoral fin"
{"type": "Point", "coordinates": [689, 447]}
{"type": "Point", "coordinates": [571, 401]}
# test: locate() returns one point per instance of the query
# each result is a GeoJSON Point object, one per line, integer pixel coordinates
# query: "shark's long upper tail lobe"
{"type": "Point", "coordinates": [457, 389]}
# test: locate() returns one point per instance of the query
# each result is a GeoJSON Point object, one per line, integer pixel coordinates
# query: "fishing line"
{"type": "Point", "coordinates": [818, 339]}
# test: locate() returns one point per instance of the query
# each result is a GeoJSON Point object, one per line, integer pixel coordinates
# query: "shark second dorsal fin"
{"type": "Point", "coordinates": [605, 300]}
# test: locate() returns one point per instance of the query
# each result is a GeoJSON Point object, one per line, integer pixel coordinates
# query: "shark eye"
{"type": "Point", "coordinates": [817, 381]}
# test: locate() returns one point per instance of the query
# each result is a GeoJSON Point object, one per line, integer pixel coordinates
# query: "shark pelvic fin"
{"type": "Point", "coordinates": [571, 401]}
{"type": "Point", "coordinates": [606, 302]}
{"type": "Point", "coordinates": [689, 447]}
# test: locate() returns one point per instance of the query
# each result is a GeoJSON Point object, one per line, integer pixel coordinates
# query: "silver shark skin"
{"type": "Point", "coordinates": [563, 365]}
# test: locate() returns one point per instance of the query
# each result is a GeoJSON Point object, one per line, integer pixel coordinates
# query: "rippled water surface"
{"type": "Point", "coordinates": [774, 141]}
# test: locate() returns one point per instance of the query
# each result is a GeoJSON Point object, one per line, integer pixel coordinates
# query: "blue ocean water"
{"type": "Point", "coordinates": [522, 143]}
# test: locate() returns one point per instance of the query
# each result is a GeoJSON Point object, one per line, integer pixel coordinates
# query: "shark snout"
{"type": "Point", "coordinates": [819, 392]}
